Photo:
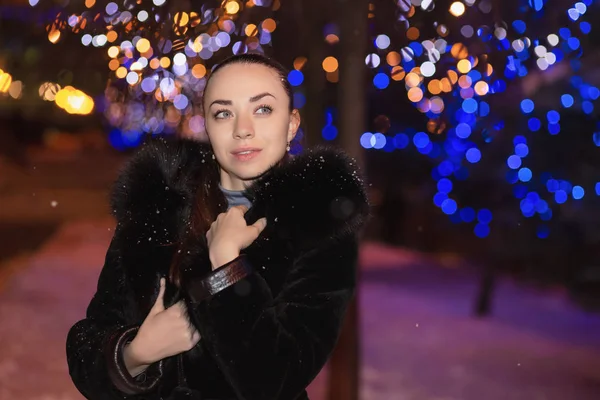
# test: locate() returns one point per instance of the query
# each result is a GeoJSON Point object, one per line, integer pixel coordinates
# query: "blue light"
{"type": "Point", "coordinates": [467, 214]}
{"type": "Point", "coordinates": [525, 174]}
{"type": "Point", "coordinates": [554, 129]}
{"type": "Point", "coordinates": [299, 100]}
{"type": "Point", "coordinates": [519, 191]}
{"type": "Point", "coordinates": [560, 196]}
{"type": "Point", "coordinates": [513, 162]}
{"type": "Point", "coordinates": [379, 140]}
{"type": "Point", "coordinates": [482, 230]}
{"type": "Point", "coordinates": [329, 132]}
{"type": "Point", "coordinates": [552, 185]}
{"type": "Point", "coordinates": [295, 77]}
{"type": "Point", "coordinates": [484, 109]}
{"type": "Point", "coordinates": [573, 14]}
{"type": "Point", "coordinates": [536, 5]}
{"type": "Point", "coordinates": [597, 188]}
{"type": "Point", "coordinates": [566, 100]}
{"type": "Point", "coordinates": [519, 26]}
{"type": "Point", "coordinates": [417, 48]}
{"type": "Point", "coordinates": [553, 117]}
{"type": "Point", "coordinates": [541, 206]}
{"type": "Point", "coordinates": [498, 86]}
{"type": "Point", "coordinates": [527, 106]}
{"type": "Point", "coordinates": [578, 192]}
{"type": "Point", "coordinates": [401, 140]}
{"type": "Point", "coordinates": [444, 185]}
{"type": "Point", "coordinates": [473, 155]}
{"type": "Point", "coordinates": [449, 206]}
{"type": "Point", "coordinates": [512, 176]}
{"type": "Point", "coordinates": [421, 140]}
{"type": "Point", "coordinates": [463, 130]}
{"type": "Point", "coordinates": [593, 92]}
{"type": "Point", "coordinates": [543, 231]}
{"type": "Point", "coordinates": [526, 206]}
{"type": "Point", "coordinates": [587, 107]}
{"type": "Point", "coordinates": [547, 216]}
{"type": "Point", "coordinates": [564, 185]}
{"type": "Point", "coordinates": [573, 43]}
{"type": "Point", "coordinates": [381, 81]}
{"type": "Point", "coordinates": [564, 33]}
{"type": "Point", "coordinates": [580, 7]}
{"type": "Point", "coordinates": [534, 124]}
{"type": "Point", "coordinates": [521, 150]}
{"type": "Point", "coordinates": [439, 198]}
{"type": "Point", "coordinates": [519, 139]}
{"type": "Point", "coordinates": [585, 27]}
{"type": "Point", "coordinates": [596, 138]}
{"type": "Point", "coordinates": [446, 168]}
{"type": "Point", "coordinates": [469, 105]}
{"type": "Point", "coordinates": [366, 140]}
{"type": "Point", "coordinates": [425, 150]}
{"type": "Point", "coordinates": [484, 216]}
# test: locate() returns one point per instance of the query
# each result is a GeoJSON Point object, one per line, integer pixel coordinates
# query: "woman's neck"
{"type": "Point", "coordinates": [233, 183]}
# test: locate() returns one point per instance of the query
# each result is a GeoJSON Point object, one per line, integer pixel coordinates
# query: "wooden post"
{"type": "Point", "coordinates": [344, 373]}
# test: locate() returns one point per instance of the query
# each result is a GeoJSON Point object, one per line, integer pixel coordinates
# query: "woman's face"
{"type": "Point", "coordinates": [248, 121]}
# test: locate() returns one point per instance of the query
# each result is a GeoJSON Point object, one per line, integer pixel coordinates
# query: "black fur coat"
{"type": "Point", "coordinates": [268, 320]}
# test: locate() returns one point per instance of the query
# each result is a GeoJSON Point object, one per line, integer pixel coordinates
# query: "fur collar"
{"type": "Point", "coordinates": [315, 197]}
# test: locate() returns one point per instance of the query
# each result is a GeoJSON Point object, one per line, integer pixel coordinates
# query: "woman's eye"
{"type": "Point", "coordinates": [264, 110]}
{"type": "Point", "coordinates": [222, 114]}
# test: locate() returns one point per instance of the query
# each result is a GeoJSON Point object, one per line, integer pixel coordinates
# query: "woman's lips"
{"type": "Point", "coordinates": [246, 154]}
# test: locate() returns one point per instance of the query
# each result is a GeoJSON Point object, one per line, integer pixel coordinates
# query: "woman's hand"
{"type": "Point", "coordinates": [230, 234]}
{"type": "Point", "coordinates": [164, 333]}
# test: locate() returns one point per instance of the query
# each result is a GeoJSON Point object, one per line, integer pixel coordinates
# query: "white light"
{"type": "Point", "coordinates": [372, 60]}
{"type": "Point", "coordinates": [553, 39]}
{"type": "Point", "coordinates": [132, 78]}
{"type": "Point", "coordinates": [427, 69]}
{"type": "Point", "coordinates": [542, 64]}
{"type": "Point", "coordinates": [179, 59]}
{"type": "Point", "coordinates": [86, 39]}
{"type": "Point", "coordinates": [142, 15]}
{"type": "Point", "coordinates": [540, 51]}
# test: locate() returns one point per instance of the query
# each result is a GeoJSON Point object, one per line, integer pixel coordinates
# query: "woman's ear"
{"type": "Point", "coordinates": [293, 125]}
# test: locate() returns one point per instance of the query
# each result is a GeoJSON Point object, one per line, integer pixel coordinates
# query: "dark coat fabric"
{"type": "Point", "coordinates": [268, 320]}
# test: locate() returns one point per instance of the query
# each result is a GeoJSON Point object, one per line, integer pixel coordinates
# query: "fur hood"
{"type": "Point", "coordinates": [315, 197]}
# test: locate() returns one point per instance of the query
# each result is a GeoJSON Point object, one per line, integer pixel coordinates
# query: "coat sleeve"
{"type": "Point", "coordinates": [272, 348]}
{"type": "Point", "coordinates": [95, 344]}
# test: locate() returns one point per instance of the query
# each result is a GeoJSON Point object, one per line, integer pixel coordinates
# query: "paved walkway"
{"type": "Point", "coordinates": [419, 341]}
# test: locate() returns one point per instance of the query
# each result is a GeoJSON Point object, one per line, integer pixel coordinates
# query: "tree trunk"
{"type": "Point", "coordinates": [344, 373]}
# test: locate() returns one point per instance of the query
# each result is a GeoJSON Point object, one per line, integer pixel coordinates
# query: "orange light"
{"type": "Point", "coordinates": [232, 7]}
{"type": "Point", "coordinates": [457, 9]}
{"type": "Point", "coordinates": [459, 51]}
{"type": "Point", "coordinates": [165, 62]}
{"type": "Point", "coordinates": [434, 86]}
{"type": "Point", "coordinates": [415, 94]}
{"type": "Point", "coordinates": [269, 25]}
{"type": "Point", "coordinates": [453, 76]}
{"type": "Point", "coordinates": [121, 72]}
{"type": "Point", "coordinates": [482, 88]}
{"type": "Point", "coordinates": [251, 30]}
{"type": "Point", "coordinates": [398, 73]}
{"type": "Point", "coordinates": [330, 64]}
{"type": "Point", "coordinates": [412, 80]}
{"type": "Point", "coordinates": [463, 66]}
{"type": "Point", "coordinates": [393, 58]}
{"type": "Point", "coordinates": [412, 33]}
{"type": "Point", "coordinates": [113, 51]}
{"type": "Point", "coordinates": [142, 45]}
{"type": "Point", "coordinates": [464, 81]}
{"type": "Point", "coordinates": [199, 71]}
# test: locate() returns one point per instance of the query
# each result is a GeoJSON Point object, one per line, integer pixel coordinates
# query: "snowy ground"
{"type": "Point", "coordinates": [419, 341]}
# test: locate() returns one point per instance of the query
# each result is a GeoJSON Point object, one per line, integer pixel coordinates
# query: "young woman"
{"type": "Point", "coordinates": [232, 263]}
